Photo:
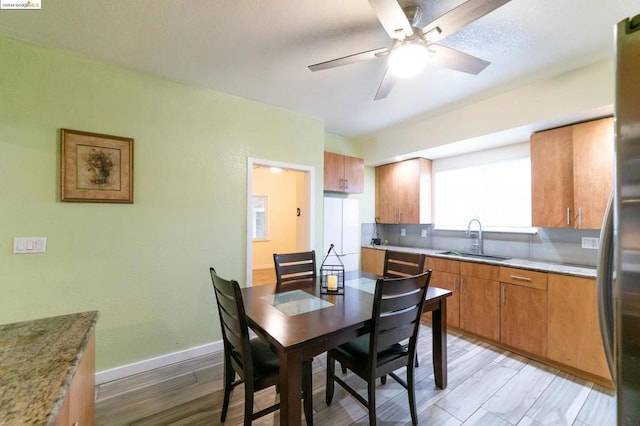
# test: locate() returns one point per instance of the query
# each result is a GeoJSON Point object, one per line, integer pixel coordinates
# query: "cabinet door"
{"type": "Point", "coordinates": [480, 306]}
{"type": "Point", "coordinates": [407, 190]}
{"type": "Point", "coordinates": [79, 405]}
{"type": "Point", "coordinates": [446, 274]}
{"type": "Point", "coordinates": [333, 172]}
{"type": "Point", "coordinates": [449, 281]}
{"type": "Point", "coordinates": [372, 260]}
{"type": "Point", "coordinates": [592, 171]}
{"type": "Point", "coordinates": [574, 333]}
{"type": "Point", "coordinates": [354, 174]}
{"type": "Point", "coordinates": [386, 197]}
{"type": "Point", "coordinates": [524, 318]}
{"type": "Point", "coordinates": [552, 178]}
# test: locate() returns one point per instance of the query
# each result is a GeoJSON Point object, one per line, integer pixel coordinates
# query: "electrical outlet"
{"type": "Point", "coordinates": [423, 233]}
{"type": "Point", "coordinates": [403, 232]}
{"type": "Point", "coordinates": [590, 243]}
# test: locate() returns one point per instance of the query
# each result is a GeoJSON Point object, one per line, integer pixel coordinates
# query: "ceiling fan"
{"type": "Point", "coordinates": [413, 47]}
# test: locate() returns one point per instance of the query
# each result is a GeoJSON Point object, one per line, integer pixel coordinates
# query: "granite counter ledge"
{"type": "Point", "coordinates": [541, 266]}
{"type": "Point", "coordinates": [38, 361]}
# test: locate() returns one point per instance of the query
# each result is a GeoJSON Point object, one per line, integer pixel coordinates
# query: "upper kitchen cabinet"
{"type": "Point", "coordinates": [343, 173]}
{"type": "Point", "coordinates": [403, 192]}
{"type": "Point", "coordinates": [572, 175]}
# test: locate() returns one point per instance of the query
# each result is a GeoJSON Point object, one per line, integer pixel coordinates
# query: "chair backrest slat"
{"type": "Point", "coordinates": [294, 266]}
{"type": "Point", "coordinates": [398, 302]}
{"type": "Point", "coordinates": [397, 319]}
{"type": "Point", "coordinates": [397, 309]}
{"type": "Point", "coordinates": [398, 264]}
{"type": "Point", "coordinates": [395, 335]}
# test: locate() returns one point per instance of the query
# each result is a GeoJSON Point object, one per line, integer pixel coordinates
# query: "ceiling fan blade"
{"type": "Point", "coordinates": [346, 60]}
{"type": "Point", "coordinates": [387, 83]}
{"type": "Point", "coordinates": [459, 17]}
{"type": "Point", "coordinates": [457, 60]}
{"type": "Point", "coordinates": [392, 18]}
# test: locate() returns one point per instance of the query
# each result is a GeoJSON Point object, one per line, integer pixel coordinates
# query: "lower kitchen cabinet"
{"type": "Point", "coordinates": [79, 405]}
{"type": "Point", "coordinates": [372, 260]}
{"type": "Point", "coordinates": [524, 319]}
{"type": "Point", "coordinates": [480, 299]}
{"type": "Point", "coordinates": [574, 333]}
{"type": "Point", "coordinates": [446, 274]}
{"type": "Point", "coordinates": [523, 307]}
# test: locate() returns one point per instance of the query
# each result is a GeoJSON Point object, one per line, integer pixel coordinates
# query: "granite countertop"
{"type": "Point", "coordinates": [575, 270]}
{"type": "Point", "coordinates": [38, 360]}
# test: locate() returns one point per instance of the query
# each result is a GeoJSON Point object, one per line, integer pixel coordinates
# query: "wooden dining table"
{"type": "Point", "coordinates": [300, 322]}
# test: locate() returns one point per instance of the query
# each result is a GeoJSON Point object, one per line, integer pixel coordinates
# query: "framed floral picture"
{"type": "Point", "coordinates": [96, 168]}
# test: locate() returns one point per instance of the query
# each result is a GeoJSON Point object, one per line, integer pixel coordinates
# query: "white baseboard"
{"type": "Point", "coordinates": [156, 362]}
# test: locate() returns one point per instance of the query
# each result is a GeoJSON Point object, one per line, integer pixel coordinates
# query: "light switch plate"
{"type": "Point", "coordinates": [26, 245]}
{"type": "Point", "coordinates": [423, 233]}
{"type": "Point", "coordinates": [403, 232]}
{"type": "Point", "coordinates": [592, 243]}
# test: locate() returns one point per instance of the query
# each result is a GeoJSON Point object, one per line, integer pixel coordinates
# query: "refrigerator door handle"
{"type": "Point", "coordinates": [604, 285]}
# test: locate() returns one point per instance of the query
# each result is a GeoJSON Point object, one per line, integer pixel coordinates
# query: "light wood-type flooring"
{"type": "Point", "coordinates": [487, 386]}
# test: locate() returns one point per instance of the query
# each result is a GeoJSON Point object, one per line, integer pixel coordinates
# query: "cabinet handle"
{"type": "Point", "coordinates": [455, 279]}
{"type": "Point", "coordinates": [504, 296]}
{"type": "Point", "coordinates": [346, 184]}
{"type": "Point", "coordinates": [579, 216]}
{"type": "Point", "coordinates": [519, 278]}
{"type": "Point", "coordinates": [568, 216]}
{"type": "Point", "coordinates": [461, 285]}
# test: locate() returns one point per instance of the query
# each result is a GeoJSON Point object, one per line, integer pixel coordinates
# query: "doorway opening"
{"type": "Point", "coordinates": [280, 214]}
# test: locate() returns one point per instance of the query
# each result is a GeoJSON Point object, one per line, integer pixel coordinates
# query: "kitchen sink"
{"type": "Point", "coordinates": [474, 255]}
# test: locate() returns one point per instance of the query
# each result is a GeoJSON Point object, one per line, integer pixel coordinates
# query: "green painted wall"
{"type": "Point", "coordinates": [143, 266]}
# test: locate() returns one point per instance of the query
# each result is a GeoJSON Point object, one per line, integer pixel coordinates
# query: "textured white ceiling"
{"type": "Point", "coordinates": [260, 49]}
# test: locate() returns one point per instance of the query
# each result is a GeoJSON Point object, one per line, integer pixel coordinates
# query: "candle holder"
{"type": "Point", "coordinates": [332, 273]}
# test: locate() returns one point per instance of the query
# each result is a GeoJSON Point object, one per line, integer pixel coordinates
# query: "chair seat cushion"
{"type": "Point", "coordinates": [358, 351]}
{"type": "Point", "coordinates": [265, 361]}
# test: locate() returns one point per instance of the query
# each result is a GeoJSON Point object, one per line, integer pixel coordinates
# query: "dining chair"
{"type": "Point", "coordinates": [397, 308]}
{"type": "Point", "coordinates": [257, 366]}
{"type": "Point", "coordinates": [398, 264]}
{"type": "Point", "coordinates": [294, 266]}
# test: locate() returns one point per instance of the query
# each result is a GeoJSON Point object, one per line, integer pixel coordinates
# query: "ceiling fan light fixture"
{"type": "Point", "coordinates": [408, 58]}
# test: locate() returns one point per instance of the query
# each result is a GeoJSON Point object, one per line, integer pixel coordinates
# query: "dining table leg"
{"type": "Point", "coordinates": [290, 388]}
{"type": "Point", "coordinates": [439, 335]}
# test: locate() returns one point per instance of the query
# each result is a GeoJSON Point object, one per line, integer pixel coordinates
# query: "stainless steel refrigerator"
{"type": "Point", "coordinates": [619, 263]}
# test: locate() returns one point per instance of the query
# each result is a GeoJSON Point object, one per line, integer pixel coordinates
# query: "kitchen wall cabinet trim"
{"type": "Point", "coordinates": [343, 173]}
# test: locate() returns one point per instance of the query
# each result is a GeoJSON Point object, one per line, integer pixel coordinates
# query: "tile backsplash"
{"type": "Point", "coordinates": [555, 245]}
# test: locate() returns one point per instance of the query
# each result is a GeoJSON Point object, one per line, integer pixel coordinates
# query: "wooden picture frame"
{"type": "Point", "coordinates": [96, 168]}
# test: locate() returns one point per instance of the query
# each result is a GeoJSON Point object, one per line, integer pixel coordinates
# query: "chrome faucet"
{"type": "Point", "coordinates": [476, 237]}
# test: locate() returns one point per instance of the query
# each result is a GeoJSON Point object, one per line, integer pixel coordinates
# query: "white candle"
{"type": "Point", "coordinates": [332, 282]}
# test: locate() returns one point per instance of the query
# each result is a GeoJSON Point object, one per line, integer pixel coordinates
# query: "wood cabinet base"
{"type": "Point", "coordinates": [598, 380]}
{"type": "Point", "coordinates": [79, 406]}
